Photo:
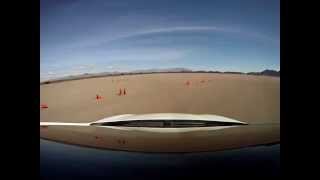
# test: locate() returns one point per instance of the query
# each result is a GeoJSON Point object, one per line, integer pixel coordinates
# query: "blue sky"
{"type": "Point", "coordinates": [82, 36]}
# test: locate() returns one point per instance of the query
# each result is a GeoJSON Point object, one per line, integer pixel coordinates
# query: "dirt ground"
{"type": "Point", "coordinates": [248, 98]}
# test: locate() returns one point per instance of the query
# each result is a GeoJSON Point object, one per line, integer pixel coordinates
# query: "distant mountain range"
{"type": "Point", "coordinates": [162, 70]}
{"type": "Point", "coordinates": [266, 72]}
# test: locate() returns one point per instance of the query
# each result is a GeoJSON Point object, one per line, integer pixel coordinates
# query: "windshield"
{"type": "Point", "coordinates": [205, 75]}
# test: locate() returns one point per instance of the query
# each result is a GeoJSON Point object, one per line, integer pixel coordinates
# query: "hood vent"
{"type": "Point", "coordinates": [168, 123]}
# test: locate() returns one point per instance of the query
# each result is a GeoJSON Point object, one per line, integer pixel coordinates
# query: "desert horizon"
{"type": "Point", "coordinates": [86, 75]}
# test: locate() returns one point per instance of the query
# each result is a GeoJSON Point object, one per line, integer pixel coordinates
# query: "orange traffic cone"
{"type": "Point", "coordinates": [98, 97]}
{"type": "Point", "coordinates": [43, 106]}
{"type": "Point", "coordinates": [124, 91]}
{"type": "Point", "coordinates": [120, 92]}
{"type": "Point", "coordinates": [187, 83]}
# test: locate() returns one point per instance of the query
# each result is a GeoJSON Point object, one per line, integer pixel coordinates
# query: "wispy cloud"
{"type": "Point", "coordinates": [195, 29]}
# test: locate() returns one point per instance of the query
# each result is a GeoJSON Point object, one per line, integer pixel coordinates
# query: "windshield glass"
{"type": "Point", "coordinates": [159, 75]}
